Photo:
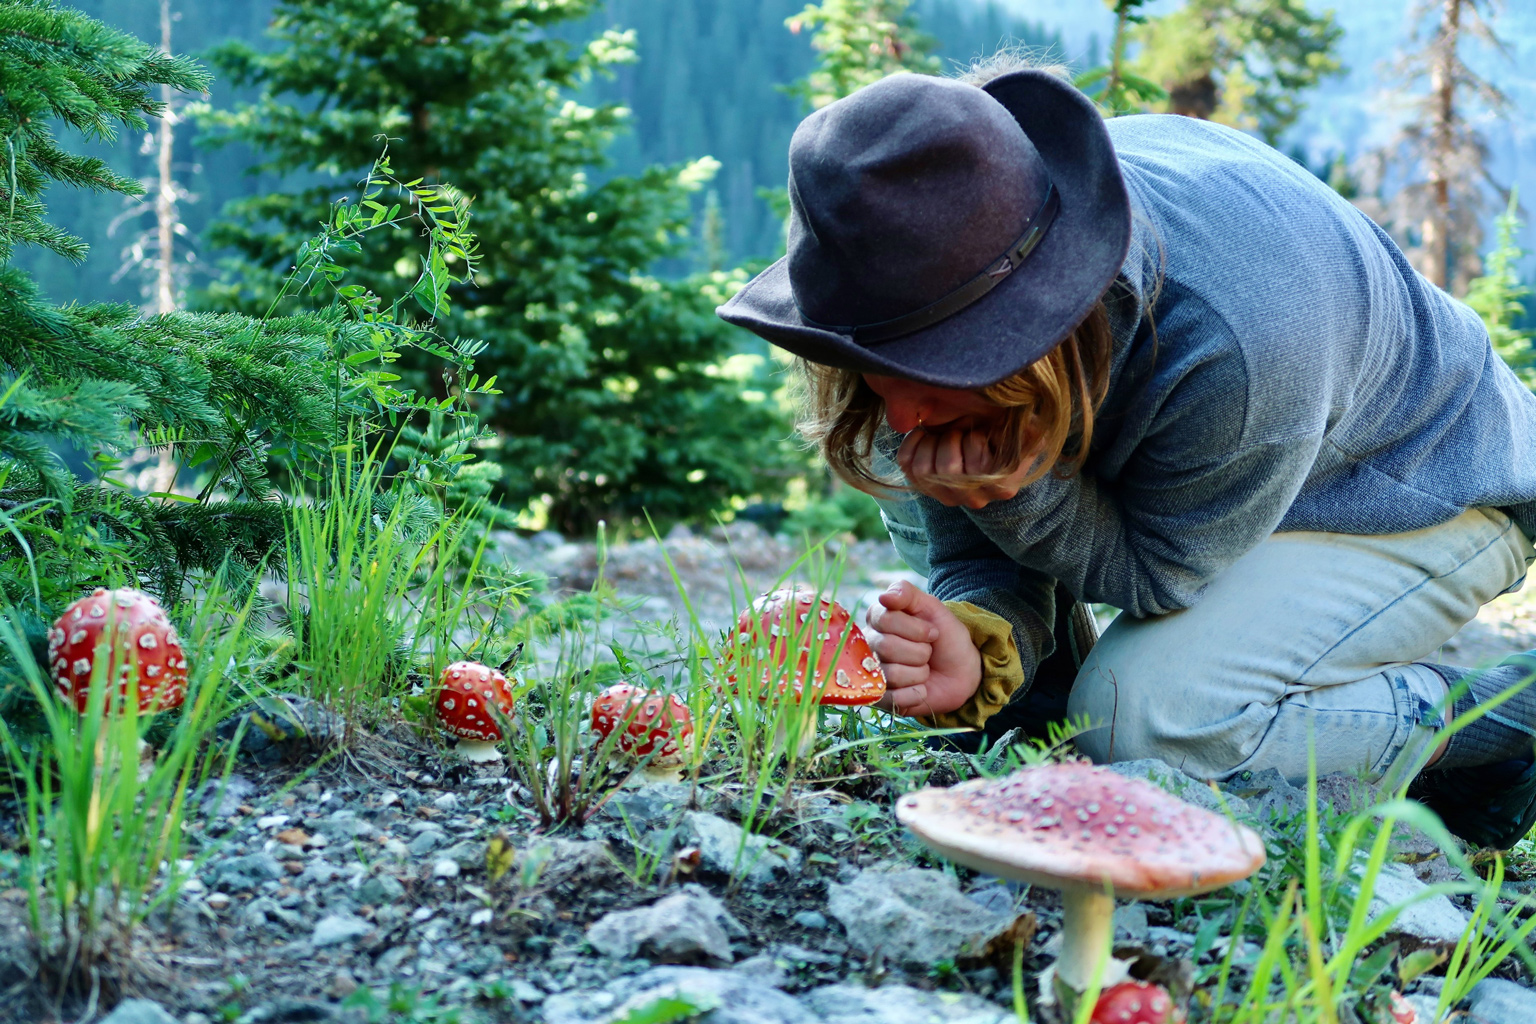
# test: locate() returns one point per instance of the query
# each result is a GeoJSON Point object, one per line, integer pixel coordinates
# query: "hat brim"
{"type": "Point", "coordinates": [1030, 311]}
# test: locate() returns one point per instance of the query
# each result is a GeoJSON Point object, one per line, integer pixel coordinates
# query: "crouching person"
{"type": "Point", "coordinates": [1153, 363]}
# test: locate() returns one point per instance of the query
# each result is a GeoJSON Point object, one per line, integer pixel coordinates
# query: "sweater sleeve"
{"type": "Point", "coordinates": [966, 566]}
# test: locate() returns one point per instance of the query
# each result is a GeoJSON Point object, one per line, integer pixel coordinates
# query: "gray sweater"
{"type": "Point", "coordinates": [1302, 377]}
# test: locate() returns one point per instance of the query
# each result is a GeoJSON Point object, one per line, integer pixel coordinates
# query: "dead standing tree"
{"type": "Point", "coordinates": [153, 251]}
{"type": "Point", "coordinates": [1440, 156]}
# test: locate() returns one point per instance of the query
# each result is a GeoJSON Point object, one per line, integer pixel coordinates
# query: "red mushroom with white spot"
{"type": "Point", "coordinates": [794, 637]}
{"type": "Point", "coordinates": [129, 629]}
{"type": "Point", "coordinates": [1135, 1002]}
{"type": "Point", "coordinates": [467, 693]}
{"type": "Point", "coordinates": [653, 728]}
{"type": "Point", "coordinates": [1088, 833]}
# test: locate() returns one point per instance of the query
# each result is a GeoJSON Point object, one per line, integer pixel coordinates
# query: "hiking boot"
{"type": "Point", "coordinates": [1490, 805]}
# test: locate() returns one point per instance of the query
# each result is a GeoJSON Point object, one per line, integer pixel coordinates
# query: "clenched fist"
{"type": "Point", "coordinates": [931, 665]}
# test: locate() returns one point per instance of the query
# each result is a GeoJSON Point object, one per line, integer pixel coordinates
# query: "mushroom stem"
{"type": "Point", "coordinates": [1088, 918]}
{"type": "Point", "coordinates": [479, 750]}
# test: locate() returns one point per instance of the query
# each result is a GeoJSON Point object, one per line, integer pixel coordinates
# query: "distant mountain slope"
{"type": "Point", "coordinates": [1353, 113]}
{"type": "Point", "coordinates": [709, 82]}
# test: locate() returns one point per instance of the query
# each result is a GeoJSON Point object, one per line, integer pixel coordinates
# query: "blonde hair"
{"type": "Point", "coordinates": [1050, 406]}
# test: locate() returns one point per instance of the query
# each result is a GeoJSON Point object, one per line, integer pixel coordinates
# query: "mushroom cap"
{"type": "Point", "coordinates": [847, 671]}
{"type": "Point", "coordinates": [658, 723]}
{"type": "Point", "coordinates": [466, 692]}
{"type": "Point", "coordinates": [141, 636]}
{"type": "Point", "coordinates": [1075, 825]}
{"type": "Point", "coordinates": [1133, 1002]}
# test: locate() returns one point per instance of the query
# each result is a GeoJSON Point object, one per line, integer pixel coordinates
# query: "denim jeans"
{"type": "Point", "coordinates": [1310, 639]}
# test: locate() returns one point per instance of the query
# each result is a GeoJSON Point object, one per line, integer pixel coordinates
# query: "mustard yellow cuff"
{"type": "Point", "coordinates": [1002, 670]}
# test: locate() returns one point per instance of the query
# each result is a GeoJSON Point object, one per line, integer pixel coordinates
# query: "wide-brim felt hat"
{"type": "Point", "coordinates": [941, 232]}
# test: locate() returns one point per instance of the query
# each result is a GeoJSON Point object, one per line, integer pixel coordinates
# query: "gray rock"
{"type": "Point", "coordinates": [380, 889]}
{"type": "Point", "coordinates": [913, 915]}
{"type": "Point", "coordinates": [811, 920]}
{"type": "Point", "coordinates": [283, 728]}
{"type": "Point", "coordinates": [264, 910]}
{"type": "Point", "coordinates": [558, 861]}
{"type": "Point", "coordinates": [334, 929]}
{"type": "Point", "coordinates": [288, 1011]}
{"type": "Point", "coordinates": [468, 855]}
{"type": "Point", "coordinates": [1185, 787]}
{"type": "Point", "coordinates": [1496, 1001]}
{"type": "Point", "coordinates": [237, 874]}
{"type": "Point", "coordinates": [731, 997]}
{"type": "Point", "coordinates": [1268, 794]}
{"type": "Point", "coordinates": [730, 850]}
{"type": "Point", "coordinates": [139, 1011]}
{"type": "Point", "coordinates": [687, 926]}
{"type": "Point", "coordinates": [426, 841]}
{"type": "Point", "coordinates": [1432, 921]}
{"type": "Point", "coordinates": [1131, 923]}
{"type": "Point", "coordinates": [222, 799]}
{"type": "Point", "coordinates": [445, 868]}
{"type": "Point", "coordinates": [653, 805]}
{"type": "Point", "coordinates": [995, 896]}
{"type": "Point", "coordinates": [345, 825]}
{"type": "Point", "coordinates": [846, 1003]}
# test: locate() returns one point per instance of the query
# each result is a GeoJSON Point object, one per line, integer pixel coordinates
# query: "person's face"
{"type": "Point", "coordinates": [909, 405]}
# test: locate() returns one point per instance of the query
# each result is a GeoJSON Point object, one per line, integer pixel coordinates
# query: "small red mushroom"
{"type": "Point", "coordinates": [652, 725]}
{"type": "Point", "coordinates": [1134, 1002]}
{"type": "Point", "coordinates": [142, 640]}
{"type": "Point", "coordinates": [467, 691]}
{"type": "Point", "coordinates": [1402, 1010]}
{"type": "Point", "coordinates": [821, 639]}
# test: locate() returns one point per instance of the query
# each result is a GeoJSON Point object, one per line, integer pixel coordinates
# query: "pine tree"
{"type": "Point", "coordinates": [1239, 62]}
{"type": "Point", "coordinates": [1498, 296]}
{"type": "Point", "coordinates": [1114, 86]}
{"type": "Point", "coordinates": [619, 395]}
{"type": "Point", "coordinates": [243, 403]}
{"type": "Point", "coordinates": [858, 42]}
{"type": "Point", "coordinates": [1441, 152]}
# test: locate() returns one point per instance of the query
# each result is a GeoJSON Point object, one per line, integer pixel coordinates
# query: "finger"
{"type": "Point", "coordinates": [905, 625]}
{"type": "Point", "coordinates": [900, 677]}
{"type": "Point", "coordinates": [908, 447]}
{"type": "Point", "coordinates": [898, 650]}
{"type": "Point", "coordinates": [921, 464]}
{"type": "Point", "coordinates": [949, 458]}
{"type": "Point", "coordinates": [899, 596]}
{"type": "Point", "coordinates": [977, 452]}
{"type": "Point", "coordinates": [908, 699]}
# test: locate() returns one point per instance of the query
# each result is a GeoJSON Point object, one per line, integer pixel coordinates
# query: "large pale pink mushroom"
{"type": "Point", "coordinates": [1088, 833]}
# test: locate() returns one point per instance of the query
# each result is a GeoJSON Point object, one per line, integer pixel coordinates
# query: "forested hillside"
{"type": "Point", "coordinates": [708, 82]}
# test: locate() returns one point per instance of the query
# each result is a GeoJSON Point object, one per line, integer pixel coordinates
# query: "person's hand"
{"type": "Point", "coordinates": [931, 666]}
{"type": "Point", "coordinates": [924, 455]}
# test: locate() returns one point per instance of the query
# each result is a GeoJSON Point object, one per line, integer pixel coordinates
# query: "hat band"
{"type": "Point", "coordinates": [955, 301]}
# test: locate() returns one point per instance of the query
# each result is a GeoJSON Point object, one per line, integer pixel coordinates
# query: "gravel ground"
{"type": "Point", "coordinates": [397, 868]}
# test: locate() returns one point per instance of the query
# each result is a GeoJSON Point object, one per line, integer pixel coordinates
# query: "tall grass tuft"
{"type": "Point", "coordinates": [103, 828]}
{"type": "Point", "coordinates": [376, 578]}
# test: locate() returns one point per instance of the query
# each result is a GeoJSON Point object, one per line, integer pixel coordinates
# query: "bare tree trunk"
{"type": "Point", "coordinates": [1442, 83]}
{"type": "Point", "coordinates": [164, 473]}
{"type": "Point", "coordinates": [1117, 51]}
